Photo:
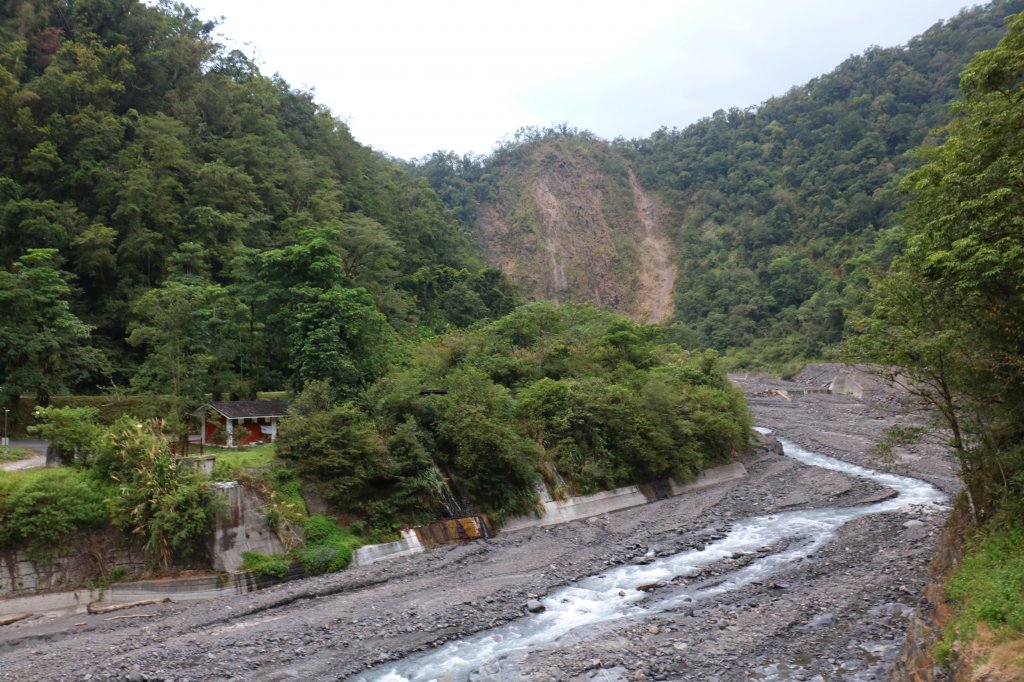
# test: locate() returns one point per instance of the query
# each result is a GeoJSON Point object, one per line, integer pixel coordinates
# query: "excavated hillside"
{"type": "Point", "coordinates": [569, 221]}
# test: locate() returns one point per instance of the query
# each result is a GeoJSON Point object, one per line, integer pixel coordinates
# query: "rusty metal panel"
{"type": "Point", "coordinates": [450, 531]}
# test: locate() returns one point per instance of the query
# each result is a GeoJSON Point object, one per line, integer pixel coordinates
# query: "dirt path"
{"type": "Point", "coordinates": [36, 461]}
{"type": "Point", "coordinates": [840, 615]}
{"type": "Point", "coordinates": [657, 266]}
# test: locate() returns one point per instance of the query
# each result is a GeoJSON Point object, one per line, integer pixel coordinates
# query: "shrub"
{"type": "Point", "coordinates": [989, 588]}
{"type": "Point", "coordinates": [160, 498]}
{"type": "Point", "coordinates": [39, 510]}
{"type": "Point", "coordinates": [73, 431]}
{"type": "Point", "coordinates": [270, 566]}
{"type": "Point", "coordinates": [328, 547]}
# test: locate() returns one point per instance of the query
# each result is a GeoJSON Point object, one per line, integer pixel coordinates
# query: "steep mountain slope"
{"type": "Point", "coordinates": [570, 222]}
{"type": "Point", "coordinates": [143, 165]}
{"type": "Point", "coordinates": [777, 215]}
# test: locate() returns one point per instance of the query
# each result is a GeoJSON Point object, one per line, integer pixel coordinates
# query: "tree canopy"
{"type": "Point", "coordinates": [948, 313]}
{"type": "Point", "coordinates": [173, 220]}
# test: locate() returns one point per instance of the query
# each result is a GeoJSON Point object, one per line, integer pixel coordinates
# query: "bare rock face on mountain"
{"type": "Point", "coordinates": [570, 222]}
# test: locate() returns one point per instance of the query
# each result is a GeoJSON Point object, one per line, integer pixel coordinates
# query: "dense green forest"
{"type": "Point", "coordinates": [172, 221]}
{"type": "Point", "coordinates": [946, 321]}
{"type": "Point", "coordinates": [780, 212]}
{"type": "Point", "coordinates": [571, 395]}
{"type": "Point", "coordinates": [175, 225]}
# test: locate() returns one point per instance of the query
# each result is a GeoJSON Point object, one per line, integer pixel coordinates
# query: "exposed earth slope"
{"type": "Point", "coordinates": [569, 221]}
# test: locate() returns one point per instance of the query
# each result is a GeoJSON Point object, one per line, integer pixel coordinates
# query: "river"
{"type": "Point", "coordinates": [657, 585]}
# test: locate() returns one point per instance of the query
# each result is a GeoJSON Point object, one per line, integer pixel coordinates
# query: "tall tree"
{"type": "Point", "coordinates": [950, 310]}
{"type": "Point", "coordinates": [43, 346]}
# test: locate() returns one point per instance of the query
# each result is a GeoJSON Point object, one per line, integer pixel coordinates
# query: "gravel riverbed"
{"type": "Point", "coordinates": [839, 615]}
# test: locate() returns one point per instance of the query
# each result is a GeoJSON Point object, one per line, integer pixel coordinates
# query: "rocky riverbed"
{"type": "Point", "coordinates": [838, 615]}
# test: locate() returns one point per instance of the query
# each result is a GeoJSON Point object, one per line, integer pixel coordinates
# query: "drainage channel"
{"type": "Point", "coordinates": [632, 591]}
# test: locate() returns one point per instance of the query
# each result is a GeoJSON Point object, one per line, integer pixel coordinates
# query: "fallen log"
{"type": "Point", "coordinates": [7, 620]}
{"type": "Point", "coordinates": [131, 615]}
{"type": "Point", "coordinates": [96, 608]}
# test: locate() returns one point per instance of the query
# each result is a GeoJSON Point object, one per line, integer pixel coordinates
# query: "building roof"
{"type": "Point", "coordinates": [250, 409]}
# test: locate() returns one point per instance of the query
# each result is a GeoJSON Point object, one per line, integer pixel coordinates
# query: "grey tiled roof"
{"type": "Point", "coordinates": [248, 409]}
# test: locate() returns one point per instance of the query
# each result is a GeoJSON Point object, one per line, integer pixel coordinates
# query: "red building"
{"type": "Point", "coordinates": [240, 422]}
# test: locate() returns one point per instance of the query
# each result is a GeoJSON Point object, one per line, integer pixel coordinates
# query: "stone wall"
{"type": "Point", "coordinates": [917, 662]}
{"type": "Point", "coordinates": [90, 558]}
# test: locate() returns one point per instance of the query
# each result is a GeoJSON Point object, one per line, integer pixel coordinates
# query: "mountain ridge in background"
{"type": "Point", "coordinates": [776, 215]}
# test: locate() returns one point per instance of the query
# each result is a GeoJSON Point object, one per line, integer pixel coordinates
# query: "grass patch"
{"type": "Point", "coordinates": [328, 547]}
{"type": "Point", "coordinates": [10, 453]}
{"type": "Point", "coordinates": [231, 460]}
{"type": "Point", "coordinates": [988, 588]}
{"type": "Point", "coordinates": [268, 565]}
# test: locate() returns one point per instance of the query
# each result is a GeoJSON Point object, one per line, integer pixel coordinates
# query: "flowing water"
{"type": "Point", "coordinates": [617, 593]}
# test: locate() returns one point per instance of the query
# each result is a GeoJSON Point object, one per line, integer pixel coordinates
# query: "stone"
{"type": "Point", "coordinates": [534, 606]}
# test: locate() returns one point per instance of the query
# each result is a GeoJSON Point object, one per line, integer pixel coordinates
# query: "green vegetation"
{"type": "Point", "coordinates": [946, 320]}
{"type": "Point", "coordinates": [946, 313]}
{"type": "Point", "coordinates": [328, 548]}
{"type": "Point", "coordinates": [779, 213]}
{"type": "Point", "coordinates": [231, 460]}
{"type": "Point", "coordinates": [572, 395]}
{"type": "Point", "coordinates": [42, 509]}
{"type": "Point", "coordinates": [161, 500]}
{"type": "Point", "coordinates": [988, 588]}
{"type": "Point", "coordinates": [71, 431]}
{"type": "Point", "coordinates": [175, 223]}
{"type": "Point", "coordinates": [124, 475]}
{"type": "Point", "coordinates": [10, 453]}
{"type": "Point", "coordinates": [270, 566]}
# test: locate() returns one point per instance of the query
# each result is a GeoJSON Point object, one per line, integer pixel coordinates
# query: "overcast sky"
{"type": "Point", "coordinates": [411, 76]}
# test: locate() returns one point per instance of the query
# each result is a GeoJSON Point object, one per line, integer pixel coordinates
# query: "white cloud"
{"type": "Point", "coordinates": [414, 77]}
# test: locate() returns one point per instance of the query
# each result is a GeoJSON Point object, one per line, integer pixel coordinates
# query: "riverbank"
{"type": "Point", "coordinates": [840, 614]}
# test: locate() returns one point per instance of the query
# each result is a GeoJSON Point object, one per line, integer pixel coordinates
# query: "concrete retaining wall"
{"type": "Point", "coordinates": [241, 527]}
{"type": "Point", "coordinates": [94, 555]}
{"type": "Point", "coordinates": [581, 507]}
{"type": "Point", "coordinates": [710, 477]}
{"type": "Point", "coordinates": [178, 589]}
{"type": "Point", "coordinates": [585, 506]}
{"type": "Point", "coordinates": [368, 554]}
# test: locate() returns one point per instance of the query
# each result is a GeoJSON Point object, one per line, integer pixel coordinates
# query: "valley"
{"type": "Point", "coordinates": [847, 603]}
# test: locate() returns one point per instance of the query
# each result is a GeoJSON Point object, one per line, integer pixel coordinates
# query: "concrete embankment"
{"type": "Point", "coordinates": [177, 589]}
{"type": "Point", "coordinates": [369, 554]}
{"type": "Point", "coordinates": [585, 506]}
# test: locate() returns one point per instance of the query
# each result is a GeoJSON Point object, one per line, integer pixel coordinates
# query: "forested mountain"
{"type": "Point", "coordinates": [173, 220]}
{"type": "Point", "coordinates": [776, 213]}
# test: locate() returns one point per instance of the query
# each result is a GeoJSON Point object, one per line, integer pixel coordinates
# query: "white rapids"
{"type": "Point", "coordinates": [615, 594]}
